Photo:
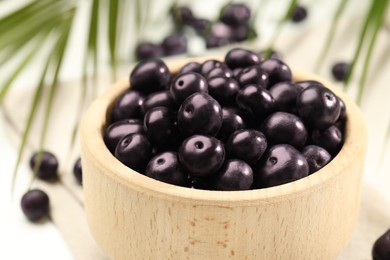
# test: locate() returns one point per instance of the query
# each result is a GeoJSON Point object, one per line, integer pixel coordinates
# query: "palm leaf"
{"type": "Point", "coordinates": [379, 16]}
{"type": "Point", "coordinates": [331, 34]}
{"type": "Point", "coordinates": [112, 35]}
{"type": "Point", "coordinates": [368, 21]}
{"type": "Point", "coordinates": [290, 9]}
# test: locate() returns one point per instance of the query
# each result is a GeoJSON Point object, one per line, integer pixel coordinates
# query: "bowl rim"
{"type": "Point", "coordinates": [95, 150]}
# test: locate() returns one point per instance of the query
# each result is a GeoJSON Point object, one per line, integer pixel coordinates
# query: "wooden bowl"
{"type": "Point", "coordinates": [132, 216]}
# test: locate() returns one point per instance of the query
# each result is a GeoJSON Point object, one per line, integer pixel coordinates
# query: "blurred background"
{"type": "Point", "coordinates": [57, 56]}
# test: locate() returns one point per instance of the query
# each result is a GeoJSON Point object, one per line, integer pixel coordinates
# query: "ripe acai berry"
{"type": "Point", "coordinates": [241, 58]}
{"type": "Point", "coordinates": [223, 89]}
{"type": "Point", "coordinates": [165, 167]}
{"type": "Point", "coordinates": [186, 84]}
{"type": "Point", "coordinates": [199, 114]}
{"type": "Point", "coordinates": [247, 145]}
{"type": "Point", "coordinates": [174, 44]}
{"type": "Point", "coordinates": [316, 157]}
{"type": "Point", "coordinates": [284, 128]}
{"type": "Point", "coordinates": [201, 156]}
{"type": "Point", "coordinates": [127, 106]}
{"type": "Point", "coordinates": [253, 75]}
{"type": "Point", "coordinates": [160, 126]}
{"type": "Point", "coordinates": [190, 67]}
{"type": "Point", "coordinates": [285, 95]}
{"type": "Point", "coordinates": [277, 71]}
{"type": "Point", "coordinates": [77, 171]}
{"type": "Point", "coordinates": [35, 204]}
{"type": "Point", "coordinates": [147, 50]}
{"type": "Point", "coordinates": [209, 65]}
{"type": "Point", "coordinates": [256, 101]}
{"type": "Point", "coordinates": [119, 129]}
{"type": "Point", "coordinates": [47, 165]}
{"type": "Point", "coordinates": [235, 15]}
{"type": "Point", "coordinates": [134, 151]}
{"type": "Point", "coordinates": [318, 106]}
{"type": "Point", "coordinates": [231, 122]}
{"type": "Point", "coordinates": [158, 99]}
{"type": "Point", "coordinates": [281, 164]}
{"type": "Point", "coordinates": [149, 76]}
{"type": "Point", "coordinates": [381, 248]}
{"type": "Point", "coordinates": [299, 14]}
{"type": "Point", "coordinates": [330, 138]}
{"type": "Point", "coordinates": [234, 175]}
{"type": "Point", "coordinates": [220, 72]}
{"type": "Point", "coordinates": [340, 70]}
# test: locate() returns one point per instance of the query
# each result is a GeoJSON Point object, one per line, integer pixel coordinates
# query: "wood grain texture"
{"type": "Point", "coordinates": [134, 217]}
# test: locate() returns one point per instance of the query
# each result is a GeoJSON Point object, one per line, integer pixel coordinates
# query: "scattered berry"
{"type": "Point", "coordinates": [47, 165]}
{"type": "Point", "coordinates": [35, 205]}
{"type": "Point", "coordinates": [381, 248]}
{"type": "Point", "coordinates": [77, 171]}
{"type": "Point", "coordinates": [340, 70]}
{"type": "Point", "coordinates": [299, 14]}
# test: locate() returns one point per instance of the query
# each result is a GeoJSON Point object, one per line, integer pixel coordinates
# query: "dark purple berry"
{"type": "Point", "coordinates": [247, 145]}
{"type": "Point", "coordinates": [241, 33]}
{"type": "Point", "coordinates": [190, 67]}
{"type": "Point", "coordinates": [236, 14]}
{"type": "Point", "coordinates": [201, 155]}
{"type": "Point", "coordinates": [209, 65]}
{"type": "Point", "coordinates": [174, 44]}
{"type": "Point", "coordinates": [381, 248]}
{"type": "Point", "coordinates": [318, 106]}
{"type": "Point", "coordinates": [223, 89]}
{"type": "Point", "coordinates": [46, 163]}
{"type": "Point", "coordinates": [150, 76]}
{"type": "Point", "coordinates": [127, 106]}
{"type": "Point", "coordinates": [200, 25]}
{"type": "Point", "coordinates": [237, 72]}
{"type": "Point", "coordinates": [186, 84]}
{"type": "Point", "coordinates": [221, 31]}
{"type": "Point", "coordinates": [134, 151]}
{"type": "Point", "coordinates": [331, 139]}
{"type": "Point", "coordinates": [213, 41]}
{"type": "Point", "coordinates": [257, 102]}
{"type": "Point", "coordinates": [285, 95]}
{"type": "Point", "coordinates": [241, 58]}
{"type": "Point", "coordinates": [158, 99]}
{"type": "Point", "coordinates": [147, 50]}
{"type": "Point", "coordinates": [199, 114]}
{"type": "Point", "coordinates": [231, 122]}
{"type": "Point", "coordinates": [342, 120]}
{"type": "Point", "coordinates": [35, 204]}
{"type": "Point", "coordinates": [165, 167]}
{"type": "Point", "coordinates": [220, 72]}
{"type": "Point", "coordinates": [316, 157]}
{"type": "Point", "coordinates": [182, 15]}
{"type": "Point", "coordinates": [340, 70]}
{"type": "Point", "coordinates": [77, 171]}
{"type": "Point", "coordinates": [160, 126]}
{"type": "Point", "coordinates": [284, 128]}
{"type": "Point", "coordinates": [299, 14]}
{"type": "Point", "coordinates": [253, 75]}
{"type": "Point", "coordinates": [234, 175]}
{"type": "Point", "coordinates": [281, 164]}
{"type": "Point", "coordinates": [119, 129]}
{"type": "Point", "coordinates": [277, 71]}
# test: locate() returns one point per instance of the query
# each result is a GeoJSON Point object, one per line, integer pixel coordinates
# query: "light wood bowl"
{"type": "Point", "coordinates": [134, 217]}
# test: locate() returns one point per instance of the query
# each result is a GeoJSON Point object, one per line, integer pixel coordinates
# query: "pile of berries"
{"type": "Point", "coordinates": [236, 124]}
{"type": "Point", "coordinates": [232, 26]}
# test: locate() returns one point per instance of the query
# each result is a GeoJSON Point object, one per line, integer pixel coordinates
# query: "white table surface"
{"type": "Point", "coordinates": [22, 240]}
